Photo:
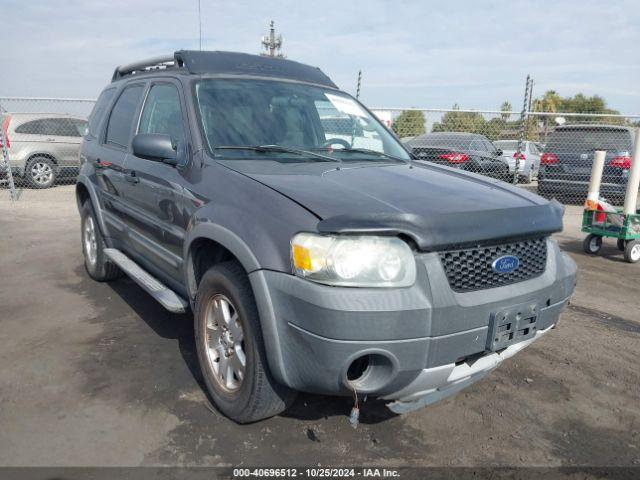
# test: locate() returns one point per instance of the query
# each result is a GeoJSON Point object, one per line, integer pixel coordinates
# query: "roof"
{"type": "Point", "coordinates": [449, 134]}
{"type": "Point", "coordinates": [230, 63]}
{"type": "Point", "coordinates": [593, 126]}
{"type": "Point", "coordinates": [38, 115]}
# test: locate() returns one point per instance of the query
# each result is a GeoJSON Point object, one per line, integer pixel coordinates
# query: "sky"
{"type": "Point", "coordinates": [425, 54]}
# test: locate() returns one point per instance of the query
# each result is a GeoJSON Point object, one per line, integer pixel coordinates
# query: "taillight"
{"type": "Point", "coordinates": [454, 157]}
{"type": "Point", "coordinates": [548, 159]}
{"type": "Point", "coordinates": [5, 129]}
{"type": "Point", "coordinates": [623, 162]}
{"type": "Point", "coordinates": [522, 157]}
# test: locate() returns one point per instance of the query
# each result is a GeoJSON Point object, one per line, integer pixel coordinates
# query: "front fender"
{"type": "Point", "coordinates": [227, 239]}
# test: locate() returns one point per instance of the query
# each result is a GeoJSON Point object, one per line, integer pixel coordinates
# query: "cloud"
{"type": "Point", "coordinates": [412, 53]}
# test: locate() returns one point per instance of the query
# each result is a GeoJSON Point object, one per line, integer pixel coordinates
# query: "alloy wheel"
{"type": "Point", "coordinates": [225, 348]}
{"type": "Point", "coordinates": [90, 241]}
{"type": "Point", "coordinates": [42, 173]}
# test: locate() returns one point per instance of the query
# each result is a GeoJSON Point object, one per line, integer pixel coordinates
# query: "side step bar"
{"type": "Point", "coordinates": [167, 297]}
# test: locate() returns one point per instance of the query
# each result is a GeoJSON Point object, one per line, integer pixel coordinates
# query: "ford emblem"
{"type": "Point", "coordinates": [505, 264]}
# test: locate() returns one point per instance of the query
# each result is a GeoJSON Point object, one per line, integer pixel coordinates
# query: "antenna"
{"type": "Point", "coordinates": [272, 43]}
{"type": "Point", "coordinates": [200, 25]}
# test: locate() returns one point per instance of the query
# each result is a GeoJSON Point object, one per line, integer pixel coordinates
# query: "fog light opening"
{"type": "Point", "coordinates": [358, 368]}
{"type": "Point", "coordinates": [369, 373]}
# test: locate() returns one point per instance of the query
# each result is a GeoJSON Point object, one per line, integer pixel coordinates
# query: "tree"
{"type": "Point", "coordinates": [555, 104]}
{"type": "Point", "coordinates": [471, 122]}
{"type": "Point", "coordinates": [505, 107]}
{"type": "Point", "coordinates": [409, 123]}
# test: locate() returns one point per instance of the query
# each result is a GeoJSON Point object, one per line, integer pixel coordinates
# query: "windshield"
{"type": "Point", "coordinates": [507, 144]}
{"type": "Point", "coordinates": [245, 113]}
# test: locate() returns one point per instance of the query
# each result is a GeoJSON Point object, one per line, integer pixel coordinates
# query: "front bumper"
{"type": "Point", "coordinates": [434, 384]}
{"type": "Point", "coordinates": [422, 343]}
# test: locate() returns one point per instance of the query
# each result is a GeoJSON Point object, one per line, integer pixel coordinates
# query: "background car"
{"type": "Point", "coordinates": [565, 165]}
{"type": "Point", "coordinates": [43, 147]}
{"type": "Point", "coordinates": [529, 157]}
{"type": "Point", "coordinates": [468, 151]}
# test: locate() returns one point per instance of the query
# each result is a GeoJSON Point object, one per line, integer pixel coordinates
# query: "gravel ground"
{"type": "Point", "coordinates": [99, 374]}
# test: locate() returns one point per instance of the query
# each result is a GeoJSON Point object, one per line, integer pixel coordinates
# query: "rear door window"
{"type": "Point", "coordinates": [478, 145]}
{"type": "Point", "coordinates": [98, 111]}
{"type": "Point", "coordinates": [122, 118]}
{"type": "Point", "coordinates": [488, 146]}
{"type": "Point", "coordinates": [53, 127]}
{"type": "Point", "coordinates": [34, 127]}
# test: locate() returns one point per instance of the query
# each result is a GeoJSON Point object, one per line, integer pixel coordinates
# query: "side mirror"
{"type": "Point", "coordinates": [155, 146]}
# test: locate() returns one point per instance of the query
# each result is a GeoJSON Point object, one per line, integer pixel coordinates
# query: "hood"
{"type": "Point", "coordinates": [436, 206]}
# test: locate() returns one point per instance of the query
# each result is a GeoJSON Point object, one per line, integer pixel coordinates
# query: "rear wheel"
{"type": "Point", "coordinates": [40, 172]}
{"type": "Point", "coordinates": [231, 350]}
{"type": "Point", "coordinates": [592, 244]}
{"type": "Point", "coordinates": [621, 244]}
{"type": "Point", "coordinates": [632, 251]}
{"type": "Point", "coordinates": [95, 261]}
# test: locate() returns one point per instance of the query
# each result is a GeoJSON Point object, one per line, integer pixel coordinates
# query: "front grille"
{"type": "Point", "coordinates": [471, 268]}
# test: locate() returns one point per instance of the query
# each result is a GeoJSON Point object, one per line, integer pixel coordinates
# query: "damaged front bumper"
{"type": "Point", "coordinates": [435, 384]}
{"type": "Point", "coordinates": [421, 343]}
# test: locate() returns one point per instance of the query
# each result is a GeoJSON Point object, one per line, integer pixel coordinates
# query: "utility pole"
{"type": "Point", "coordinates": [528, 90]}
{"type": "Point", "coordinates": [200, 25]}
{"type": "Point", "coordinates": [272, 43]}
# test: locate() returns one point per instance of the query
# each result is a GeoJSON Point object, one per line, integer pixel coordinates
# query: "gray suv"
{"type": "Point", "coordinates": [43, 147]}
{"type": "Point", "coordinates": [311, 262]}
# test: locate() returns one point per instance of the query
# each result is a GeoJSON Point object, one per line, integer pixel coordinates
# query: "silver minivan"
{"type": "Point", "coordinates": [43, 147]}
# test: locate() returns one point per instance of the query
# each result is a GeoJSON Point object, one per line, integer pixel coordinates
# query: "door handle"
{"type": "Point", "coordinates": [102, 163]}
{"type": "Point", "coordinates": [131, 177]}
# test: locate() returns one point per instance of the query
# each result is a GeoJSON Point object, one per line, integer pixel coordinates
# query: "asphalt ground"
{"type": "Point", "coordinates": [99, 374]}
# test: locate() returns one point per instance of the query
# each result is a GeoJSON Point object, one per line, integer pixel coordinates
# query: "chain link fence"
{"type": "Point", "coordinates": [548, 153]}
{"type": "Point", "coordinates": [40, 142]}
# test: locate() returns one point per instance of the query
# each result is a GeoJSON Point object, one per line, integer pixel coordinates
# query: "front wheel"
{"type": "Point", "coordinates": [231, 350]}
{"type": "Point", "coordinates": [632, 251]}
{"type": "Point", "coordinates": [592, 244]}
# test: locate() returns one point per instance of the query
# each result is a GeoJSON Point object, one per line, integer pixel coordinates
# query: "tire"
{"type": "Point", "coordinates": [592, 244]}
{"type": "Point", "coordinates": [244, 393]}
{"type": "Point", "coordinates": [95, 261]}
{"type": "Point", "coordinates": [40, 172]}
{"type": "Point", "coordinates": [632, 251]}
{"type": "Point", "coordinates": [621, 244]}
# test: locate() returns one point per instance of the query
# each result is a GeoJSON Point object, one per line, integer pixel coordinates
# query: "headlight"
{"type": "Point", "coordinates": [353, 261]}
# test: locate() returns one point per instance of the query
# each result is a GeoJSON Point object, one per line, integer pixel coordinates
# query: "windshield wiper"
{"type": "Point", "coordinates": [278, 148]}
{"type": "Point", "coordinates": [371, 152]}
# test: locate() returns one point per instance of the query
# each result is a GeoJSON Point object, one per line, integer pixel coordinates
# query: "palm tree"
{"type": "Point", "coordinates": [505, 107]}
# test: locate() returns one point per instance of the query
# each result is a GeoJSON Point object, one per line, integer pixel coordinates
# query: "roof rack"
{"type": "Point", "coordinates": [217, 62]}
{"type": "Point", "coordinates": [156, 63]}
